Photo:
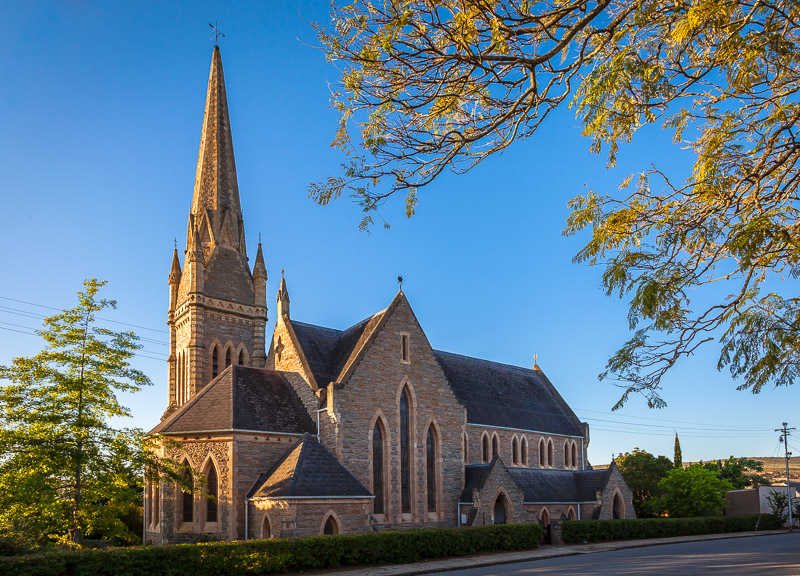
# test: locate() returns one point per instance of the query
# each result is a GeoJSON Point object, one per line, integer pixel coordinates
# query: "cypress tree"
{"type": "Point", "coordinates": [677, 459]}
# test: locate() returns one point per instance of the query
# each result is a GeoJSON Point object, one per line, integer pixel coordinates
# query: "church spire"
{"type": "Point", "coordinates": [215, 203]}
{"type": "Point", "coordinates": [283, 298]}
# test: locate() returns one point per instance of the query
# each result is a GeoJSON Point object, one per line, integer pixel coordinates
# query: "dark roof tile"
{"type": "Point", "coordinates": [545, 486]}
{"type": "Point", "coordinates": [241, 398]}
{"type": "Point", "coordinates": [307, 470]}
{"type": "Point", "coordinates": [497, 394]}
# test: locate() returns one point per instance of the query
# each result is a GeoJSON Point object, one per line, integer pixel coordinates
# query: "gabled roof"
{"type": "Point", "coordinates": [328, 351]}
{"type": "Point", "coordinates": [241, 398]}
{"type": "Point", "coordinates": [308, 471]}
{"type": "Point", "coordinates": [568, 486]}
{"type": "Point", "coordinates": [475, 476]}
{"type": "Point", "coordinates": [497, 394]}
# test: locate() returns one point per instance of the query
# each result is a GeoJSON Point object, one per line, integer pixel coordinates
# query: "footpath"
{"type": "Point", "coordinates": [541, 553]}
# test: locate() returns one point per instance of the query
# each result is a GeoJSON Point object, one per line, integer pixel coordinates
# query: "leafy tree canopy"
{"type": "Point", "coordinates": [642, 472]}
{"type": "Point", "coordinates": [64, 470]}
{"type": "Point", "coordinates": [693, 491]}
{"type": "Point", "coordinates": [740, 472]}
{"type": "Point", "coordinates": [434, 86]}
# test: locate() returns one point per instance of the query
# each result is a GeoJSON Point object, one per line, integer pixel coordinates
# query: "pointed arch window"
{"type": "Point", "coordinates": [187, 496]}
{"type": "Point", "coordinates": [495, 446]}
{"type": "Point", "coordinates": [550, 456]}
{"type": "Point", "coordinates": [575, 454]}
{"type": "Point", "coordinates": [567, 454]}
{"type": "Point", "coordinates": [430, 460]}
{"type": "Point", "coordinates": [466, 449]}
{"type": "Point", "coordinates": [515, 451]}
{"type": "Point", "coordinates": [523, 448]}
{"type": "Point", "coordinates": [378, 502]}
{"type": "Point", "coordinates": [212, 493]}
{"type": "Point", "coordinates": [214, 362]}
{"type": "Point", "coordinates": [405, 459]}
{"type": "Point", "coordinates": [485, 441]}
{"type": "Point", "coordinates": [542, 453]}
{"type": "Point", "coordinates": [227, 357]}
{"type": "Point", "coordinates": [240, 361]}
{"type": "Point", "coordinates": [330, 526]}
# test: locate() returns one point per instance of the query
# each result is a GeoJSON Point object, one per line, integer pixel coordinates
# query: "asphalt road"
{"type": "Point", "coordinates": [777, 555]}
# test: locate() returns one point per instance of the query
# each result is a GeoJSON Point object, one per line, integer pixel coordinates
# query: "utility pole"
{"type": "Point", "coordinates": [785, 439]}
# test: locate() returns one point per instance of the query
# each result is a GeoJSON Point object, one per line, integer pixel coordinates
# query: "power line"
{"type": "Point", "coordinates": [713, 429]}
{"type": "Point", "coordinates": [103, 319]}
{"type": "Point", "coordinates": [606, 413]}
{"type": "Point", "coordinates": [31, 332]}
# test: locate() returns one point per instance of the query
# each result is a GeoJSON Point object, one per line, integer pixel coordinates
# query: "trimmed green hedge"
{"type": "Point", "coordinates": [280, 555]}
{"type": "Point", "coordinates": [581, 531]}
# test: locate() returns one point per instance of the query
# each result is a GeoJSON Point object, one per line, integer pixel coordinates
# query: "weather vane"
{"type": "Point", "coordinates": [259, 237]}
{"type": "Point", "coordinates": [176, 243]}
{"type": "Point", "coordinates": [400, 281]}
{"type": "Point", "coordinates": [217, 34]}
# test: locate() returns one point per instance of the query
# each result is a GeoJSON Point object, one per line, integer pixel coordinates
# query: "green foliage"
{"type": "Point", "coordinates": [778, 502]}
{"type": "Point", "coordinates": [642, 472]}
{"type": "Point", "coordinates": [64, 471]}
{"type": "Point", "coordinates": [279, 555]}
{"type": "Point", "coordinates": [583, 531]}
{"type": "Point", "coordinates": [429, 87]}
{"type": "Point", "coordinates": [693, 491]}
{"type": "Point", "coordinates": [740, 472]}
{"type": "Point", "coordinates": [677, 457]}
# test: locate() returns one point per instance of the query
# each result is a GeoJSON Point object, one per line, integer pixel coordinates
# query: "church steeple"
{"type": "Point", "coordinates": [283, 298]}
{"type": "Point", "coordinates": [215, 203]}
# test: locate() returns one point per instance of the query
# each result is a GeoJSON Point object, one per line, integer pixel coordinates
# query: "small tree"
{"type": "Point", "coordinates": [778, 503]}
{"type": "Point", "coordinates": [693, 491]}
{"type": "Point", "coordinates": [64, 470]}
{"type": "Point", "coordinates": [678, 458]}
{"type": "Point", "coordinates": [642, 472]}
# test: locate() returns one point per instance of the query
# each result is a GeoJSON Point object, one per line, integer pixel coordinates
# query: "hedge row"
{"type": "Point", "coordinates": [577, 532]}
{"type": "Point", "coordinates": [280, 555]}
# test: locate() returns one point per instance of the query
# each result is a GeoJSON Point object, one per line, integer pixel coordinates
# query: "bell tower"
{"type": "Point", "coordinates": [217, 312]}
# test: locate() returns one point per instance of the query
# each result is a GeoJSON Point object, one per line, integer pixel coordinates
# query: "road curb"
{"type": "Point", "coordinates": [543, 553]}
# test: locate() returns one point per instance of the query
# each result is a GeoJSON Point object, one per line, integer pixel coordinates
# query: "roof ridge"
{"type": "Point", "coordinates": [482, 360]}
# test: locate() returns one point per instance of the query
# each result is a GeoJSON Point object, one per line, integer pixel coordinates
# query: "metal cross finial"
{"type": "Point", "coordinates": [259, 237]}
{"type": "Point", "coordinates": [535, 356]}
{"type": "Point", "coordinates": [176, 243]}
{"type": "Point", "coordinates": [400, 280]}
{"type": "Point", "coordinates": [217, 32]}
{"type": "Point", "coordinates": [282, 270]}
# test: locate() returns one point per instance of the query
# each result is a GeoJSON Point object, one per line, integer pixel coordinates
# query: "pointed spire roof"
{"type": "Point", "coordinates": [216, 186]}
{"type": "Point", "coordinates": [175, 271]}
{"type": "Point", "coordinates": [259, 268]}
{"type": "Point", "coordinates": [283, 292]}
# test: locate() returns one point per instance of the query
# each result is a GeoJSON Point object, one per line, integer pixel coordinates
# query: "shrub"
{"type": "Point", "coordinates": [279, 555]}
{"type": "Point", "coordinates": [577, 532]}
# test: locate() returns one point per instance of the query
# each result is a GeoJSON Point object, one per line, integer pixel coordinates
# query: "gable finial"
{"type": "Point", "coordinates": [217, 34]}
{"type": "Point", "coordinates": [282, 271]}
{"type": "Point", "coordinates": [535, 364]}
{"type": "Point", "coordinates": [400, 281]}
{"type": "Point", "coordinates": [175, 240]}
{"type": "Point", "coordinates": [259, 237]}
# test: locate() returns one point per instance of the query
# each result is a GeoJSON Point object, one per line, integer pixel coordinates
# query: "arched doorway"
{"type": "Point", "coordinates": [266, 529]}
{"type": "Point", "coordinates": [500, 513]}
{"type": "Point", "coordinates": [544, 520]}
{"type": "Point", "coordinates": [618, 510]}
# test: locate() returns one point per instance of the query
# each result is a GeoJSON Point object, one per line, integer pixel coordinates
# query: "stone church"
{"type": "Point", "coordinates": [324, 431]}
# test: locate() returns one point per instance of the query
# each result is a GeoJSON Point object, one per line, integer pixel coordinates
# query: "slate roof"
{"type": "Point", "coordinates": [549, 486]}
{"type": "Point", "coordinates": [307, 471]}
{"type": "Point", "coordinates": [328, 351]}
{"type": "Point", "coordinates": [497, 394]}
{"type": "Point", "coordinates": [475, 476]}
{"type": "Point", "coordinates": [241, 398]}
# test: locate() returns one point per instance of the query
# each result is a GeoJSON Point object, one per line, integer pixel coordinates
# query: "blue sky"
{"type": "Point", "coordinates": [101, 110]}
